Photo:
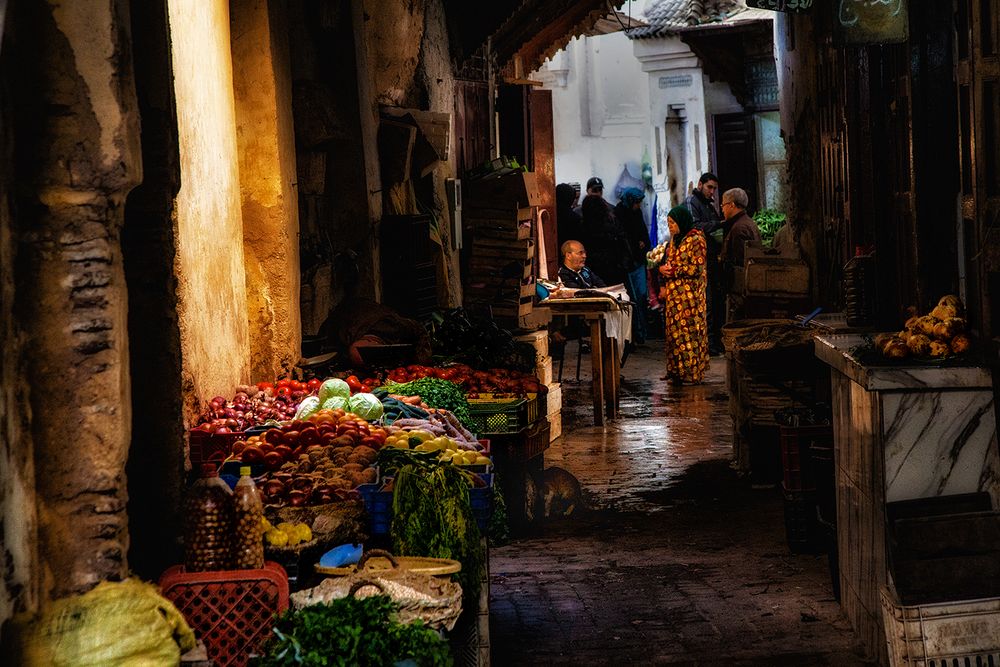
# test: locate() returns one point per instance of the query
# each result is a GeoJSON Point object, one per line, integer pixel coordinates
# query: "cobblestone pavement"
{"type": "Point", "coordinates": [679, 562]}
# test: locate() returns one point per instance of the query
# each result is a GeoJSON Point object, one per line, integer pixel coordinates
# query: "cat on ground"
{"type": "Point", "coordinates": [556, 490]}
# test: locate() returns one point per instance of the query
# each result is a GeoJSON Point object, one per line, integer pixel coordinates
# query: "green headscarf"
{"type": "Point", "coordinates": [683, 218]}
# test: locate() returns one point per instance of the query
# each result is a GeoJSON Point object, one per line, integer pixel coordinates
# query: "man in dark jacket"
{"type": "Point", "coordinates": [740, 228]}
{"type": "Point", "coordinates": [574, 272]}
{"type": "Point", "coordinates": [701, 203]}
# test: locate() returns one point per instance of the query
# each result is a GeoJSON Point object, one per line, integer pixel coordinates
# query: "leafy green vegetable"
{"type": "Point", "coordinates": [352, 631]}
{"type": "Point", "coordinates": [769, 221]}
{"type": "Point", "coordinates": [437, 394]}
{"type": "Point", "coordinates": [432, 515]}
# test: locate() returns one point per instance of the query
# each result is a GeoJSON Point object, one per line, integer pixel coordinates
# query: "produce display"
{"type": "Point", "coordinates": [330, 634]}
{"type": "Point", "coordinates": [432, 514]}
{"type": "Point", "coordinates": [285, 534]}
{"type": "Point", "coordinates": [937, 335]}
{"type": "Point", "coordinates": [315, 461]}
{"type": "Point", "coordinates": [440, 423]}
{"type": "Point", "coordinates": [437, 393]}
{"type": "Point", "coordinates": [494, 380]}
{"type": "Point", "coordinates": [460, 337]}
{"type": "Point", "coordinates": [398, 407]}
{"type": "Point", "coordinates": [447, 449]}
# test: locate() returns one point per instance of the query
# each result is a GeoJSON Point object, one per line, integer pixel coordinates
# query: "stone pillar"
{"type": "Point", "coordinates": [263, 91]}
{"type": "Point", "coordinates": [76, 156]}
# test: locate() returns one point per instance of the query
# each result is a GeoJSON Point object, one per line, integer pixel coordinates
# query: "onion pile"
{"type": "Point", "coordinates": [249, 407]}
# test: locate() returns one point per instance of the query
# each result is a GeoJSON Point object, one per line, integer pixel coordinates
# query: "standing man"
{"type": "Point", "coordinates": [739, 228]}
{"type": "Point", "coordinates": [701, 203]}
{"type": "Point", "coordinates": [595, 186]}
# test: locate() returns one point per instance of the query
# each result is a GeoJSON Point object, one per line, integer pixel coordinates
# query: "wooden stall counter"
{"type": "Point", "coordinates": [610, 328]}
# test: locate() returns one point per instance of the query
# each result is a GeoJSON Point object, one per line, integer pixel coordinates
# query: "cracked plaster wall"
{"type": "Point", "coordinates": [76, 156]}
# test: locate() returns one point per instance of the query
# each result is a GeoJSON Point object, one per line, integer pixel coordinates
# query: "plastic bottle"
{"type": "Point", "coordinates": [248, 538]}
{"type": "Point", "coordinates": [208, 529]}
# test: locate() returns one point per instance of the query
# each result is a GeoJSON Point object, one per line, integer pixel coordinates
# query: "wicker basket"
{"type": "Point", "coordinates": [435, 601]}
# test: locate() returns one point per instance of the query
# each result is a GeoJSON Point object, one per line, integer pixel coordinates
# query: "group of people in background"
{"type": "Point", "coordinates": [615, 239]}
{"type": "Point", "coordinates": [706, 245]}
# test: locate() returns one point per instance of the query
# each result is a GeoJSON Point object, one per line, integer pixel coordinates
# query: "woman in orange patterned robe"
{"type": "Point", "coordinates": [685, 279]}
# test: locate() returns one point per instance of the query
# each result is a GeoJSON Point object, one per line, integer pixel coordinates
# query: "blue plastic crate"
{"type": "Point", "coordinates": [378, 505]}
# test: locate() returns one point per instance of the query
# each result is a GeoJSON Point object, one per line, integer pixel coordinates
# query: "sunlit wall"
{"type": "Point", "coordinates": [211, 277]}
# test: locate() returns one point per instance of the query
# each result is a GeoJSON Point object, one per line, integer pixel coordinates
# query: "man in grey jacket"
{"type": "Point", "coordinates": [701, 203]}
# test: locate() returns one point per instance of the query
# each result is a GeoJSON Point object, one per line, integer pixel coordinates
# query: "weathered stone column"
{"type": "Point", "coordinates": [76, 158]}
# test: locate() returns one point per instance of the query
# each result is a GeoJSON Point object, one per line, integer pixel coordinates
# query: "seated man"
{"type": "Point", "coordinates": [574, 272]}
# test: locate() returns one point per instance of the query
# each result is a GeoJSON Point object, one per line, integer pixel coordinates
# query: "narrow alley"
{"type": "Point", "coordinates": [679, 562]}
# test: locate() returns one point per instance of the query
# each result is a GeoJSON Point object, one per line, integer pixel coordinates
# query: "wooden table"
{"type": "Point", "coordinates": [605, 356]}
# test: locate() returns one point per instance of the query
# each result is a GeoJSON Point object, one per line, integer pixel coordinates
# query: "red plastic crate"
{"type": "Point", "coordinates": [211, 447]}
{"type": "Point", "coordinates": [796, 459]}
{"type": "Point", "coordinates": [231, 611]}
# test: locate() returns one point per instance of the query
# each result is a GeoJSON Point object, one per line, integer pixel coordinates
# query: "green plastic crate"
{"type": "Point", "coordinates": [492, 416]}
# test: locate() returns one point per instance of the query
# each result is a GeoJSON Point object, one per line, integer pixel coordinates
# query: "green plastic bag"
{"type": "Point", "coordinates": [116, 623]}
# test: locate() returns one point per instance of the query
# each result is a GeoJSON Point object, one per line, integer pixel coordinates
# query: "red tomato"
{"type": "Point", "coordinates": [265, 385]}
{"type": "Point", "coordinates": [284, 391]}
{"type": "Point", "coordinates": [283, 382]}
{"type": "Point", "coordinates": [354, 383]}
{"type": "Point", "coordinates": [365, 389]}
{"type": "Point", "coordinates": [314, 384]}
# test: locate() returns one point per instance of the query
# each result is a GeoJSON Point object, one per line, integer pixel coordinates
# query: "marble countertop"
{"type": "Point", "coordinates": [835, 349]}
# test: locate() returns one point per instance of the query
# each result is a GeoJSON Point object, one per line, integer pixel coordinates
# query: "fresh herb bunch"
{"type": "Point", "coordinates": [432, 516]}
{"type": "Point", "coordinates": [769, 221]}
{"type": "Point", "coordinates": [352, 631]}
{"type": "Point", "coordinates": [437, 394]}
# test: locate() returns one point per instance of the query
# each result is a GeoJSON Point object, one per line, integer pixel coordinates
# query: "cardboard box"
{"type": "Point", "coordinates": [555, 426]}
{"type": "Point", "coordinates": [554, 399]}
{"type": "Point", "coordinates": [537, 339]}
{"type": "Point", "coordinates": [543, 370]}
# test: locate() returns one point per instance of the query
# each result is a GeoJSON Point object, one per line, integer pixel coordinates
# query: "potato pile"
{"type": "Point", "coordinates": [934, 336]}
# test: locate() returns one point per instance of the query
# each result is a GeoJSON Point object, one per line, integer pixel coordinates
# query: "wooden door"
{"type": "Point", "coordinates": [978, 79]}
{"type": "Point", "coordinates": [736, 154]}
{"type": "Point", "coordinates": [472, 124]}
{"type": "Point", "coordinates": [544, 165]}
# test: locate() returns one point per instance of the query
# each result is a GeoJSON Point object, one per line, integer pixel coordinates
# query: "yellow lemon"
{"type": "Point", "coordinates": [276, 538]}
{"type": "Point", "coordinates": [304, 532]}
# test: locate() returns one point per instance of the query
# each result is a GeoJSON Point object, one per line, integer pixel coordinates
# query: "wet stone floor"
{"type": "Point", "coordinates": [678, 561]}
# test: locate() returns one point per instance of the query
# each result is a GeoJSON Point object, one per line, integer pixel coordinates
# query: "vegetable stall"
{"type": "Point", "coordinates": [299, 479]}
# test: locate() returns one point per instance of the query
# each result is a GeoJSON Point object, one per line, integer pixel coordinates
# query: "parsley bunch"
{"type": "Point", "coordinates": [352, 631]}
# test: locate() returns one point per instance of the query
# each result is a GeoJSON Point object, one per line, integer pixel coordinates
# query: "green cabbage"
{"type": "Point", "coordinates": [333, 387]}
{"type": "Point", "coordinates": [366, 406]}
{"type": "Point", "coordinates": [309, 405]}
{"type": "Point", "coordinates": [335, 402]}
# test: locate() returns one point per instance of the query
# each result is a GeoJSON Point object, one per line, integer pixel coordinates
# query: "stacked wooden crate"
{"type": "Point", "coordinates": [499, 214]}
{"type": "Point", "coordinates": [539, 340]}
